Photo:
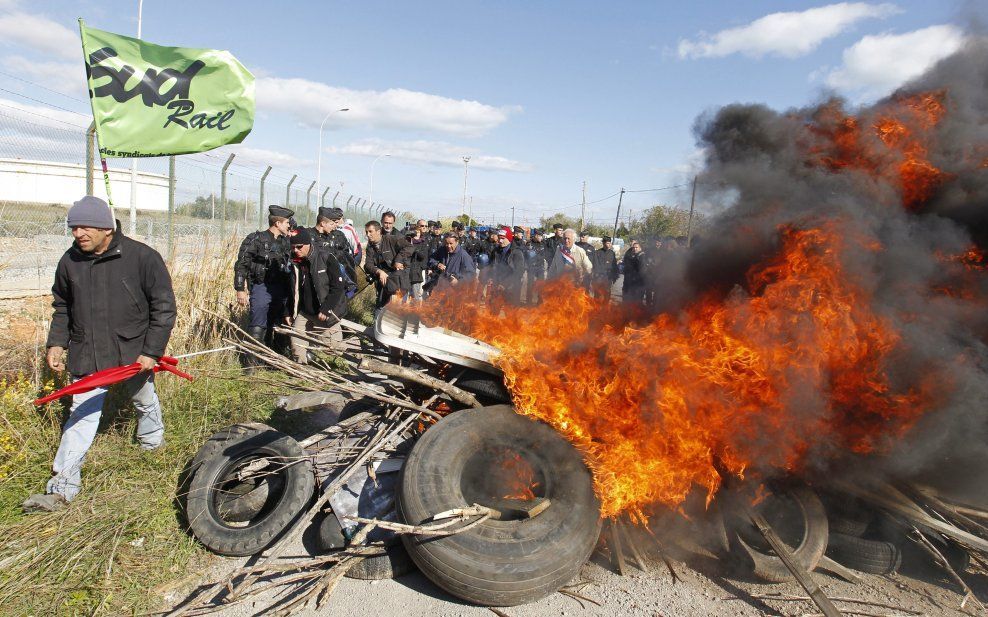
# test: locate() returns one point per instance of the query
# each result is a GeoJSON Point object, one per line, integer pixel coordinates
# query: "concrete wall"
{"type": "Point", "coordinates": [43, 182]}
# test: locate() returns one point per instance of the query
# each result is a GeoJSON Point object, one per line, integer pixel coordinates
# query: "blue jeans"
{"type": "Point", "coordinates": [80, 430]}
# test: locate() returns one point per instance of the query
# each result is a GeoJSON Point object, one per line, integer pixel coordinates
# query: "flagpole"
{"type": "Point", "coordinates": [99, 140]}
{"type": "Point", "coordinates": [133, 161]}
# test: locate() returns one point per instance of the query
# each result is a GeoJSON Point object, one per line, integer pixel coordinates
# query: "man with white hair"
{"type": "Point", "coordinates": [570, 260]}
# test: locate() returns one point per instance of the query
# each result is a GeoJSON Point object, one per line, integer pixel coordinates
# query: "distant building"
{"type": "Point", "coordinates": [44, 182]}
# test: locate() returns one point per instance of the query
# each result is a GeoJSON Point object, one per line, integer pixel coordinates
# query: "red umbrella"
{"type": "Point", "coordinates": [111, 376]}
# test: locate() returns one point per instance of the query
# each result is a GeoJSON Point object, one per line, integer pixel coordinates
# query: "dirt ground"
{"type": "Point", "coordinates": [705, 587]}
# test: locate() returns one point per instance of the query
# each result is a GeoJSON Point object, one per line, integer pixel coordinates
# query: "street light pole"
{"type": "Point", "coordinates": [370, 198]}
{"type": "Point", "coordinates": [319, 164]}
{"type": "Point", "coordinates": [466, 165]}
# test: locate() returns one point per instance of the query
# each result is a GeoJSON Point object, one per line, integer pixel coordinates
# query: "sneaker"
{"type": "Point", "coordinates": [50, 502]}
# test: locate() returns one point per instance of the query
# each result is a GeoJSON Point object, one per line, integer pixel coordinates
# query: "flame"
{"type": "Point", "coordinates": [518, 475]}
{"type": "Point", "coordinates": [903, 127]}
{"type": "Point", "coordinates": [657, 406]}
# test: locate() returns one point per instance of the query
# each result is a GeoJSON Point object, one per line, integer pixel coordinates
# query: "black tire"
{"type": "Point", "coordinates": [393, 564]}
{"type": "Point", "coordinates": [488, 387]}
{"type": "Point", "coordinates": [499, 562]}
{"type": "Point", "coordinates": [797, 515]}
{"type": "Point", "coordinates": [240, 517]}
{"type": "Point", "coordinates": [848, 516]}
{"type": "Point", "coordinates": [863, 555]}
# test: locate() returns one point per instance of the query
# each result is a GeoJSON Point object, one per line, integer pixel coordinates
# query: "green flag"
{"type": "Point", "coordinates": [150, 100]}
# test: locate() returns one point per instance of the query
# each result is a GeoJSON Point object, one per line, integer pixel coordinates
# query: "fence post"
{"type": "Point", "coordinates": [288, 191]}
{"type": "Point", "coordinates": [171, 204]}
{"type": "Point", "coordinates": [223, 195]}
{"type": "Point", "coordinates": [260, 204]}
{"type": "Point", "coordinates": [348, 199]}
{"type": "Point", "coordinates": [308, 196]}
{"type": "Point", "coordinates": [334, 198]}
{"type": "Point", "coordinates": [90, 161]}
{"type": "Point", "coordinates": [322, 199]}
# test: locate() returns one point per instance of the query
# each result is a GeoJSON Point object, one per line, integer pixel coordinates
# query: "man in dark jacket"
{"type": "Point", "coordinates": [554, 241]}
{"type": "Point", "coordinates": [260, 274]}
{"type": "Point", "coordinates": [451, 264]}
{"type": "Point", "coordinates": [418, 263]}
{"type": "Point", "coordinates": [114, 306]}
{"type": "Point", "coordinates": [509, 267]}
{"type": "Point", "coordinates": [385, 261]}
{"type": "Point", "coordinates": [605, 269]}
{"type": "Point", "coordinates": [318, 300]}
{"type": "Point", "coordinates": [536, 261]}
{"type": "Point", "coordinates": [388, 224]}
{"type": "Point", "coordinates": [633, 287]}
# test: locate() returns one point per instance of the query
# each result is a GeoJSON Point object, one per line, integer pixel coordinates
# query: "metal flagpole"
{"type": "Point", "coordinates": [133, 161]}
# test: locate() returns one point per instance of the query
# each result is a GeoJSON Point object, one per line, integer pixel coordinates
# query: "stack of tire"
{"type": "Point", "coordinates": [504, 561]}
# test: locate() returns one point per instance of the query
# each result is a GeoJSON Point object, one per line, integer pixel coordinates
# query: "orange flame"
{"type": "Point", "coordinates": [903, 128]}
{"type": "Point", "coordinates": [793, 362]}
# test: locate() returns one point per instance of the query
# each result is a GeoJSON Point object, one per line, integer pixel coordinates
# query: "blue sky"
{"type": "Point", "coordinates": [542, 96]}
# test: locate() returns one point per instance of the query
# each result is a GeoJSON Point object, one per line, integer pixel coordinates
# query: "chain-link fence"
{"type": "Point", "coordinates": [48, 160]}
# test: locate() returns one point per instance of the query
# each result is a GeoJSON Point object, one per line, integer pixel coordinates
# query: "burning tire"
{"type": "Point", "coordinates": [496, 458]}
{"type": "Point", "coordinates": [797, 515]}
{"type": "Point", "coordinates": [250, 482]}
{"type": "Point", "coordinates": [489, 388]}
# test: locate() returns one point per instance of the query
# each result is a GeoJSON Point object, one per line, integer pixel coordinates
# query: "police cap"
{"type": "Point", "coordinates": [281, 211]}
{"type": "Point", "coordinates": [332, 214]}
{"type": "Point", "coordinates": [605, 239]}
{"type": "Point", "coordinates": [557, 226]}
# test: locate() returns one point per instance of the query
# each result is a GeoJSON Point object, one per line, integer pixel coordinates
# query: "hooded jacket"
{"type": "Point", "coordinates": [111, 308]}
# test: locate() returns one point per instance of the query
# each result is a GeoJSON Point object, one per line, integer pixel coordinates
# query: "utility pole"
{"type": "Point", "coordinates": [689, 223]}
{"type": "Point", "coordinates": [618, 214]}
{"type": "Point", "coordinates": [512, 217]}
{"type": "Point", "coordinates": [466, 165]}
{"type": "Point", "coordinates": [583, 208]}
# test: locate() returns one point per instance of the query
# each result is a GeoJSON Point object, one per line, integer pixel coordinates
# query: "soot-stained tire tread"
{"type": "Point", "coordinates": [209, 463]}
{"type": "Point", "coordinates": [499, 563]}
{"type": "Point", "coordinates": [864, 555]}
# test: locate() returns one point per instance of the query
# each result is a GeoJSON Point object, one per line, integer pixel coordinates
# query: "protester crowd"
{"type": "Point", "coordinates": [303, 278]}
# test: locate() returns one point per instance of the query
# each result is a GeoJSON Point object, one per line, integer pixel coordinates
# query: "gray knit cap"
{"type": "Point", "coordinates": [91, 212]}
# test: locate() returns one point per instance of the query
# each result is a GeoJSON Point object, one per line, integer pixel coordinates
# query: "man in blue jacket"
{"type": "Point", "coordinates": [451, 264]}
{"type": "Point", "coordinates": [114, 305]}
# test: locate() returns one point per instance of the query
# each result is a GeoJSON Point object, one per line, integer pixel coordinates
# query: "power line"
{"type": "Point", "coordinates": [37, 85]}
{"type": "Point", "coordinates": [663, 188]}
{"type": "Point", "coordinates": [31, 98]}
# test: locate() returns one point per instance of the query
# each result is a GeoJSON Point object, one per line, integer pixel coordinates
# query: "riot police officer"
{"type": "Point", "coordinates": [553, 241]}
{"type": "Point", "coordinates": [328, 237]}
{"type": "Point", "coordinates": [261, 273]}
{"type": "Point", "coordinates": [536, 259]}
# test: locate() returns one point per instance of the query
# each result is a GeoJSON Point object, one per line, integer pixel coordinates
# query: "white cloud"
{"type": "Point", "coordinates": [431, 153]}
{"type": "Point", "coordinates": [790, 34]}
{"type": "Point", "coordinates": [40, 34]}
{"type": "Point", "coordinates": [877, 64]}
{"type": "Point", "coordinates": [395, 108]}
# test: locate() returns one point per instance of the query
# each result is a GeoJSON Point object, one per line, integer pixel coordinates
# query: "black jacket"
{"type": "Point", "coordinates": [384, 255]}
{"type": "Point", "coordinates": [327, 280]}
{"type": "Point", "coordinates": [509, 266]}
{"type": "Point", "coordinates": [111, 308]}
{"type": "Point", "coordinates": [262, 259]}
{"type": "Point", "coordinates": [419, 260]}
{"type": "Point", "coordinates": [605, 265]}
{"type": "Point", "coordinates": [633, 270]}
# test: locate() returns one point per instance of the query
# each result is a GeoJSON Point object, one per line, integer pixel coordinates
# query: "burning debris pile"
{"type": "Point", "coordinates": [834, 313]}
